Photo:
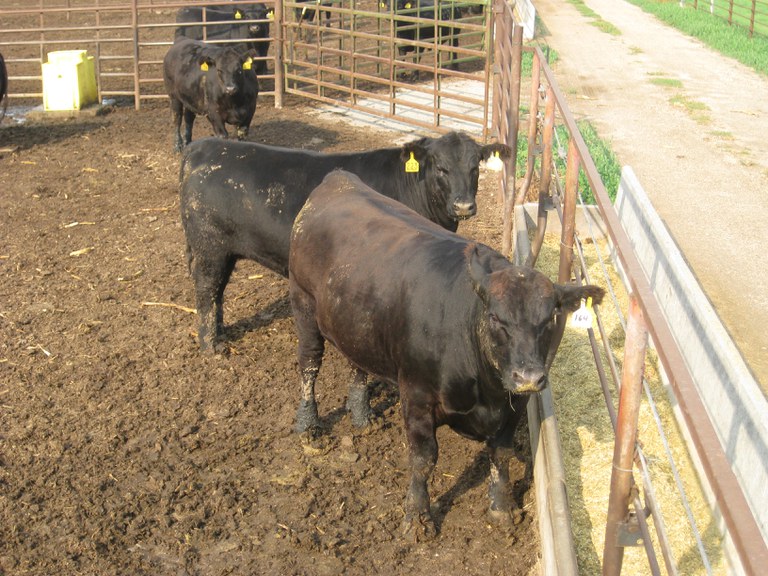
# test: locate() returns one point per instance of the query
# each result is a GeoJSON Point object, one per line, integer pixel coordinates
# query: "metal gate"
{"type": "Point", "coordinates": [427, 65]}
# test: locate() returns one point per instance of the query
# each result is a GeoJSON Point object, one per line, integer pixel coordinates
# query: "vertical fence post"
{"type": "Point", "coordinates": [566, 238]}
{"type": "Point", "coordinates": [135, 29]}
{"type": "Point", "coordinates": [513, 114]}
{"type": "Point", "coordinates": [626, 437]}
{"type": "Point", "coordinates": [277, 27]}
{"type": "Point", "coordinates": [546, 172]}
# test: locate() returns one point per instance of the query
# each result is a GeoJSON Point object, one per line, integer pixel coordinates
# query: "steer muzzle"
{"type": "Point", "coordinates": [526, 381]}
{"type": "Point", "coordinates": [464, 210]}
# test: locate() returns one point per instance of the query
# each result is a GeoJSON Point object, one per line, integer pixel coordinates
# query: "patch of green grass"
{"type": "Point", "coordinates": [695, 109]}
{"type": "Point", "coordinates": [597, 21]}
{"type": "Point", "coordinates": [667, 82]}
{"type": "Point", "coordinates": [604, 158]}
{"type": "Point", "coordinates": [732, 41]}
{"type": "Point", "coordinates": [722, 134]}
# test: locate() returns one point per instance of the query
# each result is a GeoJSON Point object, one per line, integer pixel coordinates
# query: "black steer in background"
{"type": "Point", "coordinates": [229, 28]}
{"type": "Point", "coordinates": [412, 31]}
{"type": "Point", "coordinates": [214, 81]}
{"type": "Point", "coordinates": [462, 332]}
{"type": "Point", "coordinates": [239, 200]}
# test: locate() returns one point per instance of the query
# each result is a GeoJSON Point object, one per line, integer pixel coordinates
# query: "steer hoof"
{"type": "Point", "coordinates": [506, 518]}
{"type": "Point", "coordinates": [419, 528]}
{"type": "Point", "coordinates": [306, 416]}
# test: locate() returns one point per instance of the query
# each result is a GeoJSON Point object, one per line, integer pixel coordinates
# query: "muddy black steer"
{"type": "Point", "coordinates": [239, 199]}
{"type": "Point", "coordinates": [214, 81]}
{"type": "Point", "coordinates": [461, 331]}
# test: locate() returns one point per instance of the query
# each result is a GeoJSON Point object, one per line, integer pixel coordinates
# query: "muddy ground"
{"type": "Point", "coordinates": [124, 450]}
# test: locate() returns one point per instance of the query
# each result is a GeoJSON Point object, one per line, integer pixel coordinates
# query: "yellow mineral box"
{"type": "Point", "coordinates": [69, 80]}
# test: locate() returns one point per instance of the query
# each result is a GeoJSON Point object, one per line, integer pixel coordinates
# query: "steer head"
{"type": "Point", "coordinates": [519, 307]}
{"type": "Point", "coordinates": [229, 65]}
{"type": "Point", "coordinates": [449, 166]}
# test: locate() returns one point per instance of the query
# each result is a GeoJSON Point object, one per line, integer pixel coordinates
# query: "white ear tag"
{"type": "Point", "coordinates": [494, 163]}
{"type": "Point", "coordinates": [584, 316]}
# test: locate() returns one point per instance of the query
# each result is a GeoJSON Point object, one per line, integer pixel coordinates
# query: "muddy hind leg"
{"type": "Point", "coordinates": [211, 277]}
{"type": "Point", "coordinates": [358, 399]}
{"type": "Point", "coordinates": [310, 357]}
{"type": "Point", "coordinates": [422, 442]}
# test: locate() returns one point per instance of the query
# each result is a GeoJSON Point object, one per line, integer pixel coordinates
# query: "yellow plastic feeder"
{"type": "Point", "coordinates": [69, 80]}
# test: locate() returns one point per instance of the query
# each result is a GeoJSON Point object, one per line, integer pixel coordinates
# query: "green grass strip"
{"type": "Point", "coordinates": [716, 33]}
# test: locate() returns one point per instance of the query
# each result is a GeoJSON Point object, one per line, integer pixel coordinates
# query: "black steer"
{"type": "Point", "coordinates": [461, 331]}
{"type": "Point", "coordinates": [257, 33]}
{"type": "Point", "coordinates": [215, 81]}
{"type": "Point", "coordinates": [411, 31]}
{"type": "Point", "coordinates": [239, 199]}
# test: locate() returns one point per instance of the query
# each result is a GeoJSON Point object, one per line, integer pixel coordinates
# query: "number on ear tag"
{"type": "Point", "coordinates": [412, 165]}
{"type": "Point", "coordinates": [204, 66]}
{"type": "Point", "coordinates": [247, 64]}
{"type": "Point", "coordinates": [584, 316]}
{"type": "Point", "coordinates": [494, 163]}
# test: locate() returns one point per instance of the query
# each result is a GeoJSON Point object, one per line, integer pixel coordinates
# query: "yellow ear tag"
{"type": "Point", "coordinates": [412, 165]}
{"type": "Point", "coordinates": [271, 15]}
{"type": "Point", "coordinates": [382, 4]}
{"type": "Point", "coordinates": [408, 6]}
{"type": "Point", "coordinates": [584, 316]}
{"type": "Point", "coordinates": [494, 163]}
{"type": "Point", "coordinates": [247, 64]}
{"type": "Point", "coordinates": [238, 15]}
{"type": "Point", "coordinates": [204, 66]}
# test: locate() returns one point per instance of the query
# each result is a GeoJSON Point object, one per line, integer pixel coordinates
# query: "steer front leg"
{"type": "Point", "coordinates": [503, 509]}
{"type": "Point", "coordinates": [422, 442]}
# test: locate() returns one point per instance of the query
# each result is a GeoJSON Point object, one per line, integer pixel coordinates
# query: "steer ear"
{"type": "Point", "coordinates": [569, 297]}
{"type": "Point", "coordinates": [411, 151]}
{"type": "Point", "coordinates": [502, 150]}
{"type": "Point", "coordinates": [206, 59]}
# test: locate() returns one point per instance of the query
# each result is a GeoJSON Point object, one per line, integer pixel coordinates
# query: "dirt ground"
{"type": "Point", "coordinates": [123, 450]}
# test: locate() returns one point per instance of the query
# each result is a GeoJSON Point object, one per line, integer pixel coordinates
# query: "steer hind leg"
{"type": "Point", "coordinates": [177, 111]}
{"type": "Point", "coordinates": [211, 276]}
{"type": "Point", "coordinates": [310, 355]}
{"type": "Point", "coordinates": [422, 442]}
{"type": "Point", "coordinates": [358, 399]}
{"type": "Point", "coordinates": [189, 121]}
